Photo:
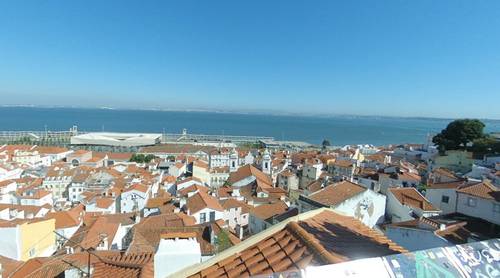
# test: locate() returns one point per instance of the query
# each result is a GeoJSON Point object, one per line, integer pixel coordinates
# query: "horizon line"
{"type": "Point", "coordinates": [247, 112]}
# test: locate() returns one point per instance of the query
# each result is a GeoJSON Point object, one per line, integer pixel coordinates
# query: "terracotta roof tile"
{"type": "Point", "coordinates": [483, 190]}
{"type": "Point", "coordinates": [327, 237]}
{"type": "Point", "coordinates": [409, 196]}
{"type": "Point", "coordinates": [202, 200]}
{"type": "Point", "coordinates": [336, 193]}
{"type": "Point", "coordinates": [247, 171]}
{"type": "Point", "coordinates": [267, 211]}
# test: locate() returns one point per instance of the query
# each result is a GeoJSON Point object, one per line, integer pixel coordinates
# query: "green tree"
{"type": "Point", "coordinates": [170, 158]}
{"type": "Point", "coordinates": [223, 242]}
{"type": "Point", "coordinates": [138, 158]}
{"type": "Point", "coordinates": [485, 145]}
{"type": "Point", "coordinates": [148, 158]}
{"type": "Point", "coordinates": [458, 134]}
{"type": "Point", "coordinates": [326, 143]}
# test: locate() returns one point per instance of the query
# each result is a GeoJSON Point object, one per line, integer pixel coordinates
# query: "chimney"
{"type": "Point", "coordinates": [239, 230]}
{"type": "Point", "coordinates": [236, 192]}
{"type": "Point", "coordinates": [137, 217]}
{"type": "Point", "coordinates": [182, 202]}
{"type": "Point", "coordinates": [103, 243]}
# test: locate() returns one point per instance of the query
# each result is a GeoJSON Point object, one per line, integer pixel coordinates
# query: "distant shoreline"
{"type": "Point", "coordinates": [259, 113]}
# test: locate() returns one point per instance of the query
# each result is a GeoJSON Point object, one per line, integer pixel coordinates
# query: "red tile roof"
{"type": "Point", "coordinates": [446, 185]}
{"type": "Point", "coordinates": [343, 163]}
{"type": "Point", "coordinates": [247, 171]}
{"type": "Point", "coordinates": [324, 238]}
{"type": "Point", "coordinates": [483, 190]}
{"type": "Point", "coordinates": [138, 187]}
{"type": "Point", "coordinates": [8, 266]}
{"type": "Point", "coordinates": [336, 193]}
{"type": "Point", "coordinates": [104, 203]}
{"type": "Point", "coordinates": [192, 188]}
{"type": "Point", "coordinates": [267, 211]}
{"type": "Point", "coordinates": [125, 265]}
{"type": "Point", "coordinates": [410, 196]}
{"type": "Point", "coordinates": [202, 200]}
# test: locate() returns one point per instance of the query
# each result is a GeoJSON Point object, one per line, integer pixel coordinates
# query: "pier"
{"type": "Point", "coordinates": [63, 138]}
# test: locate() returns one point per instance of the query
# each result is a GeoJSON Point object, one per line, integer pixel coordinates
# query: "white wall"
{"type": "Point", "coordinates": [367, 183]}
{"type": "Point", "coordinates": [234, 217]}
{"type": "Point", "coordinates": [128, 202]}
{"type": "Point", "coordinates": [483, 208]}
{"type": "Point", "coordinates": [187, 184]}
{"type": "Point", "coordinates": [396, 211]}
{"type": "Point", "coordinates": [9, 242]}
{"type": "Point", "coordinates": [197, 215]}
{"type": "Point", "coordinates": [13, 174]}
{"type": "Point", "coordinates": [435, 197]}
{"type": "Point", "coordinates": [368, 207]}
{"type": "Point", "coordinates": [415, 239]}
{"type": "Point", "coordinates": [120, 234]}
{"type": "Point", "coordinates": [174, 255]}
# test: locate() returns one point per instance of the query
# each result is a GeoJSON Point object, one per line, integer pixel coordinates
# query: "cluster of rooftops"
{"type": "Point", "coordinates": [198, 211]}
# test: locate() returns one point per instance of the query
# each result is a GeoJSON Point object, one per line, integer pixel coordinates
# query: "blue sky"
{"type": "Point", "coordinates": [396, 58]}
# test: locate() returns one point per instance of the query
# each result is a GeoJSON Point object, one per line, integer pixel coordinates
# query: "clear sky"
{"type": "Point", "coordinates": [399, 58]}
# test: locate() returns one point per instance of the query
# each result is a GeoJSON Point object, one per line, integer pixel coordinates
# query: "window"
{"type": "Point", "coordinates": [496, 208]}
{"type": "Point", "coordinates": [203, 217]}
{"type": "Point", "coordinates": [212, 216]}
{"type": "Point", "coordinates": [74, 190]}
{"type": "Point", "coordinates": [471, 202]}
{"type": "Point", "coordinates": [32, 252]}
{"type": "Point", "coordinates": [445, 199]}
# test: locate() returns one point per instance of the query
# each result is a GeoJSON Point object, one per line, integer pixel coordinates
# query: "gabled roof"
{"type": "Point", "coordinates": [201, 164]}
{"type": "Point", "coordinates": [410, 196]}
{"type": "Point", "coordinates": [104, 203]}
{"type": "Point", "coordinates": [314, 238]}
{"type": "Point", "coordinates": [26, 208]}
{"type": "Point", "coordinates": [483, 190]}
{"type": "Point", "coordinates": [146, 235]}
{"type": "Point", "coordinates": [88, 235]}
{"type": "Point", "coordinates": [247, 171]}
{"type": "Point", "coordinates": [64, 219]}
{"type": "Point", "coordinates": [116, 262]}
{"type": "Point", "coordinates": [169, 179]}
{"type": "Point", "coordinates": [202, 200]}
{"type": "Point", "coordinates": [125, 265]}
{"type": "Point", "coordinates": [192, 188]}
{"type": "Point", "coordinates": [444, 172]}
{"type": "Point", "coordinates": [447, 185]}
{"type": "Point", "coordinates": [234, 203]}
{"type": "Point", "coordinates": [316, 185]}
{"type": "Point", "coordinates": [138, 187]}
{"type": "Point", "coordinates": [8, 265]}
{"type": "Point", "coordinates": [267, 211]}
{"type": "Point", "coordinates": [337, 193]}
{"type": "Point", "coordinates": [343, 163]}
{"type": "Point", "coordinates": [190, 179]}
